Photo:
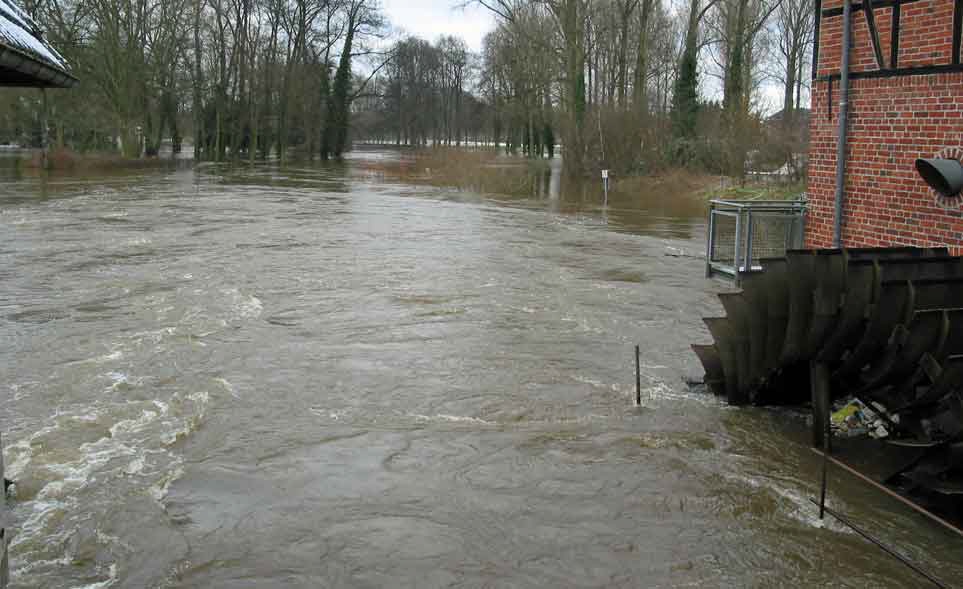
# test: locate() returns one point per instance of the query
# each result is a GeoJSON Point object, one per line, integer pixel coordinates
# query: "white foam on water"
{"type": "Point", "coordinates": [659, 390]}
{"type": "Point", "coordinates": [103, 359]}
{"type": "Point", "coordinates": [133, 425]}
{"type": "Point", "coordinates": [800, 509]}
{"type": "Point", "coordinates": [227, 386]}
{"type": "Point", "coordinates": [450, 418]}
{"type": "Point", "coordinates": [21, 390]}
{"type": "Point", "coordinates": [155, 336]}
{"type": "Point", "coordinates": [119, 379]}
{"type": "Point", "coordinates": [201, 397]}
{"type": "Point", "coordinates": [111, 579]}
{"type": "Point", "coordinates": [243, 307]}
{"type": "Point", "coordinates": [323, 412]}
{"type": "Point", "coordinates": [34, 526]}
{"type": "Point", "coordinates": [160, 489]}
{"type": "Point", "coordinates": [36, 564]}
{"type": "Point", "coordinates": [136, 466]}
{"type": "Point", "coordinates": [129, 450]}
{"type": "Point", "coordinates": [587, 380]}
{"type": "Point", "coordinates": [23, 449]}
{"type": "Point", "coordinates": [190, 422]}
{"type": "Point", "coordinates": [22, 452]}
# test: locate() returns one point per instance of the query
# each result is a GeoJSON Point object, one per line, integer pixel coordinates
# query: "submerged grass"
{"type": "Point", "coordinates": [67, 159]}
{"type": "Point", "coordinates": [489, 171]}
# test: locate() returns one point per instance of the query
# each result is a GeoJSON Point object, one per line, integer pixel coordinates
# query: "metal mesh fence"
{"type": "Point", "coordinates": [742, 233]}
{"type": "Point", "coordinates": [771, 235]}
{"type": "Point", "coordinates": [722, 246]}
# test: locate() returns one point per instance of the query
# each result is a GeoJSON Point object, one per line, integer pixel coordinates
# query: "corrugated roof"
{"type": "Point", "coordinates": [26, 59]}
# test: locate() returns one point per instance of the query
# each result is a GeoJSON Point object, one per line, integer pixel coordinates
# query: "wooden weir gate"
{"type": "Point", "coordinates": [884, 325]}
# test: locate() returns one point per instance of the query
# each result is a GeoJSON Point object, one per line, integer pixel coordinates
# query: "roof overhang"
{"type": "Point", "coordinates": [21, 70]}
{"type": "Point", "coordinates": [26, 58]}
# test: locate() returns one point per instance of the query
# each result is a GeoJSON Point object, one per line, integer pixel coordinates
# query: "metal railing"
{"type": "Point", "coordinates": [742, 232]}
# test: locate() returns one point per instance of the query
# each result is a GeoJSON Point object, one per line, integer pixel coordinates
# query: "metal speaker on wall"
{"type": "Point", "coordinates": [945, 176]}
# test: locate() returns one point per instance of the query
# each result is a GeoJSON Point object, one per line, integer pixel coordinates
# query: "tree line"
{"type": "Point", "coordinates": [621, 84]}
{"type": "Point", "coordinates": [245, 78]}
{"type": "Point", "coordinates": [625, 80]}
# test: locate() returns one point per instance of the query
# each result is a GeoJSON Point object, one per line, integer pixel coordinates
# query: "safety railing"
{"type": "Point", "coordinates": [743, 232]}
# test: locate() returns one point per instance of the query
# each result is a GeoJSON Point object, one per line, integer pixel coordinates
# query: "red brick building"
{"type": "Point", "coordinates": [905, 102]}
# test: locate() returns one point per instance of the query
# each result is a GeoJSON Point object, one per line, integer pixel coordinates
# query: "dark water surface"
{"type": "Point", "coordinates": [330, 377]}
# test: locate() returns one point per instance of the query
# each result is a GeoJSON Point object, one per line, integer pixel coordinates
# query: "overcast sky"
{"type": "Point", "coordinates": [431, 18]}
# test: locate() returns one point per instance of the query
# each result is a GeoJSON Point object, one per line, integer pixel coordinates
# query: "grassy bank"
{"type": "Point", "coordinates": [756, 190]}
{"type": "Point", "coordinates": [485, 170]}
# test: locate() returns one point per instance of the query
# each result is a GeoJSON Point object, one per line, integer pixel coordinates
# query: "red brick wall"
{"type": "Point", "coordinates": [892, 121]}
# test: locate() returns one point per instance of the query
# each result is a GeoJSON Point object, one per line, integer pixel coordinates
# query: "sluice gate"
{"type": "Point", "coordinates": [884, 326]}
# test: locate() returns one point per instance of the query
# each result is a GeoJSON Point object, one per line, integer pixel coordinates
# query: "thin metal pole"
{"type": "Point", "coordinates": [737, 248]}
{"type": "Point", "coordinates": [749, 240]}
{"type": "Point", "coordinates": [822, 489]}
{"type": "Point", "coordinates": [710, 242]}
{"type": "Point", "coordinates": [885, 548]}
{"type": "Point", "coordinates": [638, 379]}
{"type": "Point", "coordinates": [819, 383]}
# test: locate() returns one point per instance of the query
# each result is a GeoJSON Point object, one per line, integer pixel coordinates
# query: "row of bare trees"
{"type": "Point", "coordinates": [424, 96]}
{"type": "Point", "coordinates": [633, 82]}
{"type": "Point", "coordinates": [622, 84]}
{"type": "Point", "coordinates": [244, 77]}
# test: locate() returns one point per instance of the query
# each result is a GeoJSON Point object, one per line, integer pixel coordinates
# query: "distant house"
{"type": "Point", "coordinates": [26, 59]}
{"type": "Point", "coordinates": [800, 118]}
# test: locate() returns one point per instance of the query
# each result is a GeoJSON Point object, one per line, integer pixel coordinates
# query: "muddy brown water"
{"type": "Point", "coordinates": [334, 376]}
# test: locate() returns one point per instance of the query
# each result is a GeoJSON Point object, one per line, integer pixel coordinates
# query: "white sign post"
{"type": "Point", "coordinates": [605, 186]}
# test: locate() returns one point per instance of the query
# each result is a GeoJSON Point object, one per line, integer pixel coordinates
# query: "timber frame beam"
{"type": "Point", "coordinates": [873, 32]}
{"type": "Point", "coordinates": [869, 8]}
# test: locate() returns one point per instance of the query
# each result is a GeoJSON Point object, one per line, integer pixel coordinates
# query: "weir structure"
{"type": "Point", "coordinates": [879, 317]}
{"type": "Point", "coordinates": [27, 60]}
{"type": "Point", "coordinates": [884, 325]}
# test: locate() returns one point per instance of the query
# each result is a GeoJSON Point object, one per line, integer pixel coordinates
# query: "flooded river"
{"type": "Point", "coordinates": [337, 377]}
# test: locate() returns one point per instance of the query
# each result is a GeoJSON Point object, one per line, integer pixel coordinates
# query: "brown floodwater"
{"type": "Point", "coordinates": [351, 375]}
